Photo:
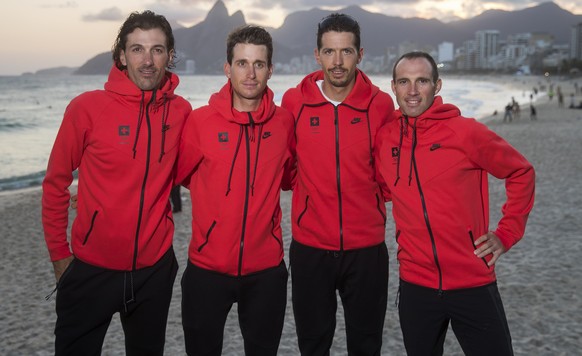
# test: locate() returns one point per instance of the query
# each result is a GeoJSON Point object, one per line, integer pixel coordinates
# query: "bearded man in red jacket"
{"type": "Point", "coordinates": [124, 142]}
{"type": "Point", "coordinates": [435, 165]}
{"type": "Point", "coordinates": [338, 213]}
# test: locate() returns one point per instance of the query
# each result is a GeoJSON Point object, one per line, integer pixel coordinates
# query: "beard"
{"type": "Point", "coordinates": [339, 82]}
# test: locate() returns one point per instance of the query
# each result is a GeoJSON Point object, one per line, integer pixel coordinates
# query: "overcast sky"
{"type": "Point", "coordinates": [40, 34]}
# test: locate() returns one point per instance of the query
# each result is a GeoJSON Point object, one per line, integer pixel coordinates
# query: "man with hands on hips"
{"type": "Point", "coordinates": [434, 165]}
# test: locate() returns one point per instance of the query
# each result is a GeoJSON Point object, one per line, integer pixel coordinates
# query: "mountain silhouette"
{"type": "Point", "coordinates": [205, 42]}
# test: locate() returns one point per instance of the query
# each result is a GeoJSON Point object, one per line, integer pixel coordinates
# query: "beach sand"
{"type": "Point", "coordinates": [539, 279]}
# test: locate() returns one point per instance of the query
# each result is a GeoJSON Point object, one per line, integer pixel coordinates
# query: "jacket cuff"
{"type": "Point", "coordinates": [60, 253]}
{"type": "Point", "coordinates": [505, 239]}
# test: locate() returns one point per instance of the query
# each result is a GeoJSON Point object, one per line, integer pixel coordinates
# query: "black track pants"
{"type": "Point", "coordinates": [361, 278]}
{"type": "Point", "coordinates": [207, 298]}
{"type": "Point", "coordinates": [476, 315]}
{"type": "Point", "coordinates": [88, 296]}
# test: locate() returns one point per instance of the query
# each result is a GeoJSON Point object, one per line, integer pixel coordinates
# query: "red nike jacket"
{"type": "Point", "coordinates": [235, 164]}
{"type": "Point", "coordinates": [337, 203]}
{"type": "Point", "coordinates": [436, 168]}
{"type": "Point", "coordinates": [124, 143]}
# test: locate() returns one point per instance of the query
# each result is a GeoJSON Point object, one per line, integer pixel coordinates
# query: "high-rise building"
{"type": "Point", "coordinates": [465, 59]}
{"type": "Point", "coordinates": [487, 43]}
{"type": "Point", "coordinates": [446, 52]}
{"type": "Point", "coordinates": [576, 42]}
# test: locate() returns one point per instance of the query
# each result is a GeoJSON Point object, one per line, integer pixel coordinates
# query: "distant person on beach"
{"type": "Point", "coordinates": [560, 97]}
{"type": "Point", "coordinates": [532, 112]}
{"type": "Point", "coordinates": [123, 142]}
{"type": "Point", "coordinates": [338, 213]}
{"type": "Point", "coordinates": [508, 116]}
{"type": "Point", "coordinates": [235, 156]}
{"type": "Point", "coordinates": [515, 108]}
{"type": "Point", "coordinates": [435, 164]}
{"type": "Point", "coordinates": [551, 92]}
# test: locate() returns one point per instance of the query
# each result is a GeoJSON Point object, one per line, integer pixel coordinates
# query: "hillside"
{"type": "Point", "coordinates": [205, 42]}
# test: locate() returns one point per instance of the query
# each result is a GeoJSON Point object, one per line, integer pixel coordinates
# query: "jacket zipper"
{"type": "Point", "coordinates": [90, 227]}
{"type": "Point", "coordinates": [427, 222]}
{"type": "Point", "coordinates": [246, 204]}
{"type": "Point", "coordinates": [338, 177]}
{"type": "Point", "coordinates": [207, 236]}
{"type": "Point", "coordinates": [303, 212]}
{"type": "Point", "coordinates": [143, 186]}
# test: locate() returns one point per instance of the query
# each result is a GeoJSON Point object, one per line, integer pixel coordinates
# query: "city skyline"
{"type": "Point", "coordinates": [44, 34]}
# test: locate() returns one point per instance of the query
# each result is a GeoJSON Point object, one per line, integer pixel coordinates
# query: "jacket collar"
{"type": "Point", "coordinates": [119, 83]}
{"type": "Point", "coordinates": [359, 98]}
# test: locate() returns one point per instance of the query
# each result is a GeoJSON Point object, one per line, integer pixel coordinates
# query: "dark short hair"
{"type": "Point", "coordinates": [338, 23]}
{"type": "Point", "coordinates": [249, 34]}
{"type": "Point", "coordinates": [146, 20]}
{"type": "Point", "coordinates": [418, 54]}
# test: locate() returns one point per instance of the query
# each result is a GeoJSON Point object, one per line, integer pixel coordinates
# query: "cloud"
{"type": "Point", "coordinates": [195, 2]}
{"type": "Point", "coordinates": [307, 4]}
{"type": "Point", "coordinates": [186, 12]}
{"type": "Point", "coordinates": [438, 13]}
{"type": "Point", "coordinates": [255, 16]}
{"type": "Point", "coordinates": [296, 5]}
{"type": "Point", "coordinates": [63, 5]}
{"type": "Point", "coordinates": [204, 3]}
{"type": "Point", "coordinates": [110, 14]}
{"type": "Point", "coordinates": [514, 3]}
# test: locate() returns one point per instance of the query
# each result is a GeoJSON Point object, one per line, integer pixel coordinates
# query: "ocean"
{"type": "Point", "coordinates": [31, 110]}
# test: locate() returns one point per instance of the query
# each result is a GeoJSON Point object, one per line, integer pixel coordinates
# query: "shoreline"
{"type": "Point", "coordinates": [524, 86]}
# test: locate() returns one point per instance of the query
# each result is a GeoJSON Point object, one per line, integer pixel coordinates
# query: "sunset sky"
{"type": "Point", "coordinates": [40, 34]}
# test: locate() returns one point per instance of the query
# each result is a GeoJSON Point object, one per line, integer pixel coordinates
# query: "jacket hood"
{"type": "Point", "coordinates": [119, 82]}
{"type": "Point", "coordinates": [222, 103]}
{"type": "Point", "coordinates": [360, 97]}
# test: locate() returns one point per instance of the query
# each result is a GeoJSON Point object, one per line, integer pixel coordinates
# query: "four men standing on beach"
{"type": "Point", "coordinates": [235, 155]}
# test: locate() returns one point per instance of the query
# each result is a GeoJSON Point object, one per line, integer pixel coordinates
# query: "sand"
{"type": "Point", "coordinates": [539, 279]}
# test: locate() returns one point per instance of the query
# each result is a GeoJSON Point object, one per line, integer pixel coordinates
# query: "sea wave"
{"type": "Point", "coordinates": [20, 182]}
{"type": "Point", "coordinates": [9, 125]}
{"type": "Point", "coordinates": [27, 181]}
